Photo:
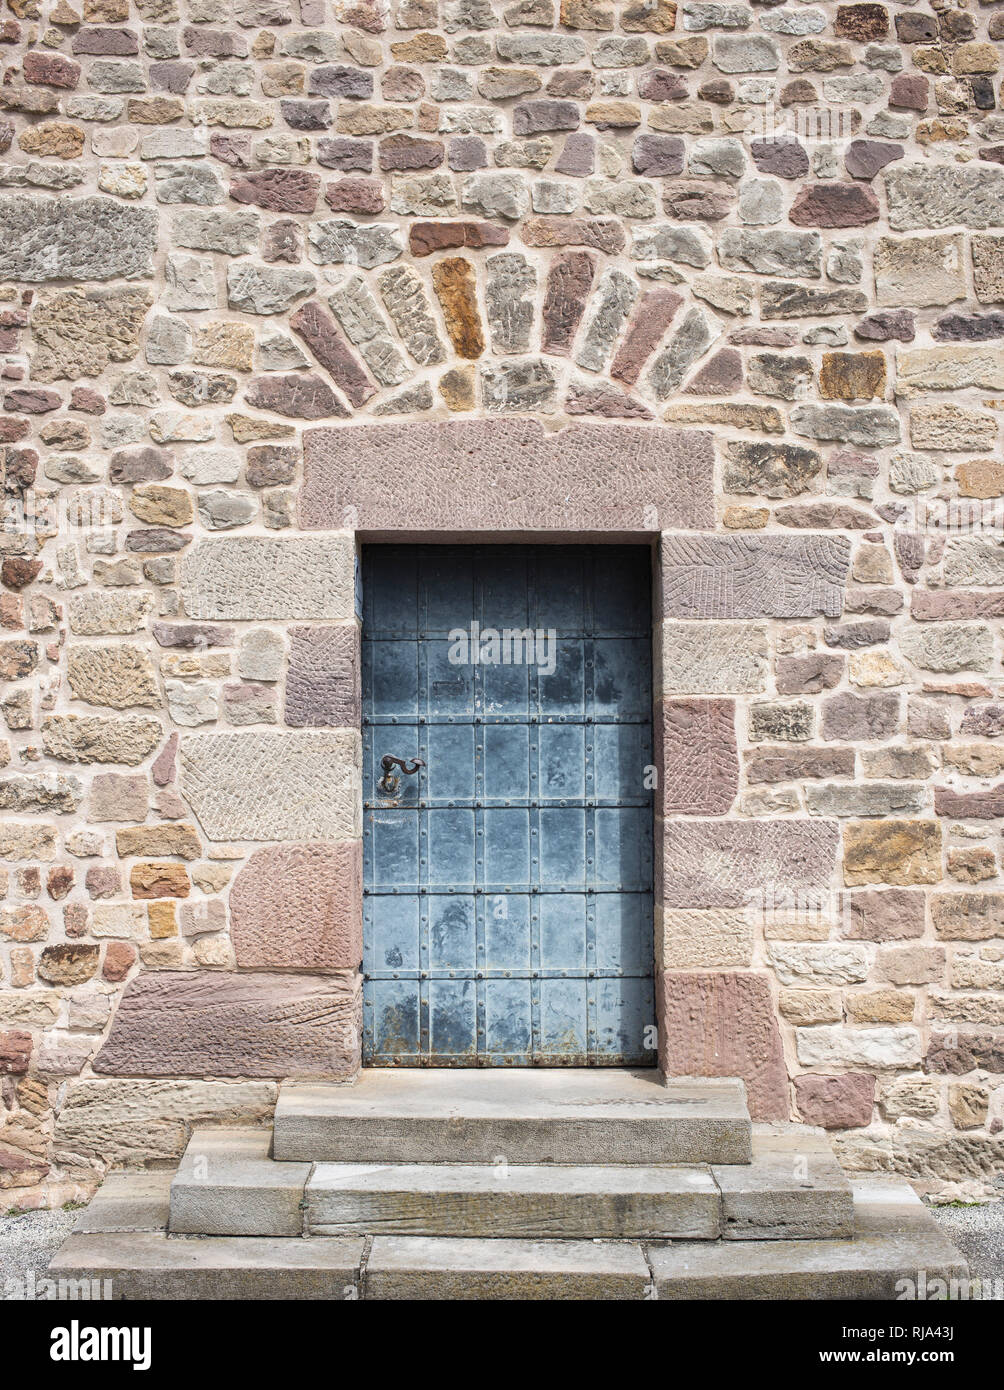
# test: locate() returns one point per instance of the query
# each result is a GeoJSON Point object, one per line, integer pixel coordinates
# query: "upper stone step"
{"type": "Point", "coordinates": [521, 1117]}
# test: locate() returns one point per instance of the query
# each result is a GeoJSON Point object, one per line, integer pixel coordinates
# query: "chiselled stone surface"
{"type": "Point", "coordinates": [724, 658]}
{"type": "Point", "coordinates": [727, 863]}
{"type": "Point", "coordinates": [322, 681]}
{"type": "Point", "coordinates": [273, 786]}
{"type": "Point", "coordinates": [79, 333]}
{"type": "Point", "coordinates": [381, 470]}
{"type": "Point", "coordinates": [700, 765]}
{"type": "Point", "coordinates": [176, 1023]}
{"type": "Point", "coordinates": [300, 907]}
{"type": "Point", "coordinates": [268, 577]}
{"type": "Point", "coordinates": [75, 239]}
{"type": "Point", "coordinates": [753, 576]}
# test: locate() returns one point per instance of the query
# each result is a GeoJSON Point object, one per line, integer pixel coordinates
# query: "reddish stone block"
{"type": "Point", "coordinates": [299, 907]}
{"type": "Point", "coordinates": [50, 70]}
{"type": "Point", "coordinates": [426, 237]}
{"type": "Point", "coordinates": [722, 1023]}
{"type": "Point", "coordinates": [214, 1023]}
{"type": "Point", "coordinates": [120, 957]}
{"type": "Point", "coordinates": [278, 190]}
{"type": "Point", "coordinates": [909, 92]}
{"type": "Point", "coordinates": [322, 681]}
{"type": "Point", "coordinates": [568, 283]}
{"type": "Point", "coordinates": [355, 195]}
{"type": "Point", "coordinates": [328, 344]}
{"type": "Point", "coordinates": [885, 914]}
{"type": "Point", "coordinates": [648, 324]}
{"type": "Point", "coordinates": [299, 395]}
{"type": "Point", "coordinates": [15, 1053]}
{"type": "Point", "coordinates": [835, 1102]}
{"type": "Point", "coordinates": [506, 475]}
{"type": "Point", "coordinates": [696, 742]}
{"type": "Point", "coordinates": [834, 205]}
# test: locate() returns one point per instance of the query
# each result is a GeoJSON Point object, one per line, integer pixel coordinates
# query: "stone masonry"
{"type": "Point", "coordinates": [723, 278]}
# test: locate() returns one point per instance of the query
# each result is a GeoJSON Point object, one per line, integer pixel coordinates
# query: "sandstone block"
{"type": "Point", "coordinates": [299, 906]}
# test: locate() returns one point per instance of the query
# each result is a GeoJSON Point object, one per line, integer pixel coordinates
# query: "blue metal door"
{"type": "Point", "coordinates": [508, 861]}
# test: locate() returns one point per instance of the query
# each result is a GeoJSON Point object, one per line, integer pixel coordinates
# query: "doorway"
{"type": "Point", "coordinates": [507, 806]}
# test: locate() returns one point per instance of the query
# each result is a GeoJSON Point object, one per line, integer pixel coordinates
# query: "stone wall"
{"type": "Point", "coordinates": [277, 271]}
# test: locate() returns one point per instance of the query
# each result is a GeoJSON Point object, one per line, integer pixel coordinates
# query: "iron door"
{"type": "Point", "coordinates": [508, 872]}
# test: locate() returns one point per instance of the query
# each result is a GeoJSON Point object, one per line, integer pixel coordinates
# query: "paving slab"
{"type": "Point", "coordinates": [150, 1264]}
{"type": "Point", "coordinates": [420, 1267]}
{"type": "Point", "coordinates": [523, 1117]}
{"type": "Point", "coordinates": [895, 1238]}
{"type": "Point", "coordinates": [227, 1184]}
{"type": "Point", "coordinates": [616, 1201]}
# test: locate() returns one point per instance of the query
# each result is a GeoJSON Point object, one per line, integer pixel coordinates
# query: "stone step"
{"type": "Point", "coordinates": [227, 1184]}
{"type": "Point", "coordinates": [895, 1239]}
{"type": "Point", "coordinates": [521, 1117]}
{"type": "Point", "coordinates": [616, 1201]}
{"type": "Point", "coordinates": [793, 1190]}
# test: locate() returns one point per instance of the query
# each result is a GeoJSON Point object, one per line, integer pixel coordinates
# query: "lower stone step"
{"type": "Point", "coordinates": [588, 1202]}
{"type": "Point", "coordinates": [523, 1117]}
{"type": "Point", "coordinates": [227, 1184]}
{"type": "Point", "coordinates": [895, 1239]}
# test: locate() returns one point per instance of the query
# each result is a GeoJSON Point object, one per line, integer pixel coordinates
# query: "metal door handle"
{"type": "Point", "coordinates": [388, 783]}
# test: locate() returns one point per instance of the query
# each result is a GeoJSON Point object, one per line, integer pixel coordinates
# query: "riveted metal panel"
{"type": "Point", "coordinates": [508, 878]}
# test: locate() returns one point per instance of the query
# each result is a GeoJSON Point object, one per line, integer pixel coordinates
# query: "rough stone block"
{"type": "Point", "coordinates": [726, 659]}
{"type": "Point", "coordinates": [719, 863]}
{"type": "Point", "coordinates": [177, 1023]}
{"type": "Point", "coordinates": [253, 578]}
{"type": "Point", "coordinates": [753, 576]}
{"type": "Point", "coordinates": [504, 475]}
{"type": "Point", "coordinates": [699, 762]}
{"type": "Point", "coordinates": [299, 907]}
{"type": "Point", "coordinates": [75, 239]}
{"type": "Point", "coordinates": [322, 683]}
{"type": "Point", "coordinates": [721, 1023]}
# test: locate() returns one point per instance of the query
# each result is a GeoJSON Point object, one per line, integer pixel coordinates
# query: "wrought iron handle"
{"type": "Point", "coordinates": [388, 783]}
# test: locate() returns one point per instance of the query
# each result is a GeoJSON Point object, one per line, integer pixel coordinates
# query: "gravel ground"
{"type": "Point", "coordinates": [29, 1241]}
{"type": "Point", "coordinates": [978, 1232]}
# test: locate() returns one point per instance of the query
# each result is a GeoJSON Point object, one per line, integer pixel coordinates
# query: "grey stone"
{"type": "Point", "coordinates": [190, 282]}
{"type": "Point", "coordinates": [228, 1185]}
{"type": "Point", "coordinates": [894, 1237]}
{"type": "Point", "coordinates": [512, 282]}
{"type": "Point", "coordinates": [671, 242]}
{"type": "Point", "coordinates": [405, 299]}
{"type": "Point", "coordinates": [869, 425]}
{"type": "Point", "coordinates": [265, 289]}
{"type": "Point", "coordinates": [232, 233]}
{"type": "Point", "coordinates": [614, 298]}
{"type": "Point", "coordinates": [667, 371]}
{"type": "Point", "coordinates": [75, 239]}
{"type": "Point", "coordinates": [251, 578]}
{"type": "Point", "coordinates": [761, 203]}
{"type": "Point", "coordinates": [754, 576]}
{"type": "Point", "coordinates": [274, 786]}
{"type": "Point", "coordinates": [496, 195]}
{"type": "Point", "coordinates": [945, 195]}
{"type": "Point", "coordinates": [780, 252]}
{"type": "Point", "coordinates": [339, 242]}
{"type": "Point", "coordinates": [168, 340]}
{"type": "Point", "coordinates": [722, 157]}
{"type": "Point", "coordinates": [793, 1190]}
{"type": "Point", "coordinates": [750, 53]}
{"type": "Point", "coordinates": [589, 1202]}
{"type": "Point", "coordinates": [454, 1116]}
{"type": "Point", "coordinates": [188, 183]}
{"type": "Point", "coordinates": [512, 386]}
{"type": "Point", "coordinates": [771, 470]}
{"type": "Point", "coordinates": [357, 312]}
{"type": "Point", "coordinates": [721, 659]}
